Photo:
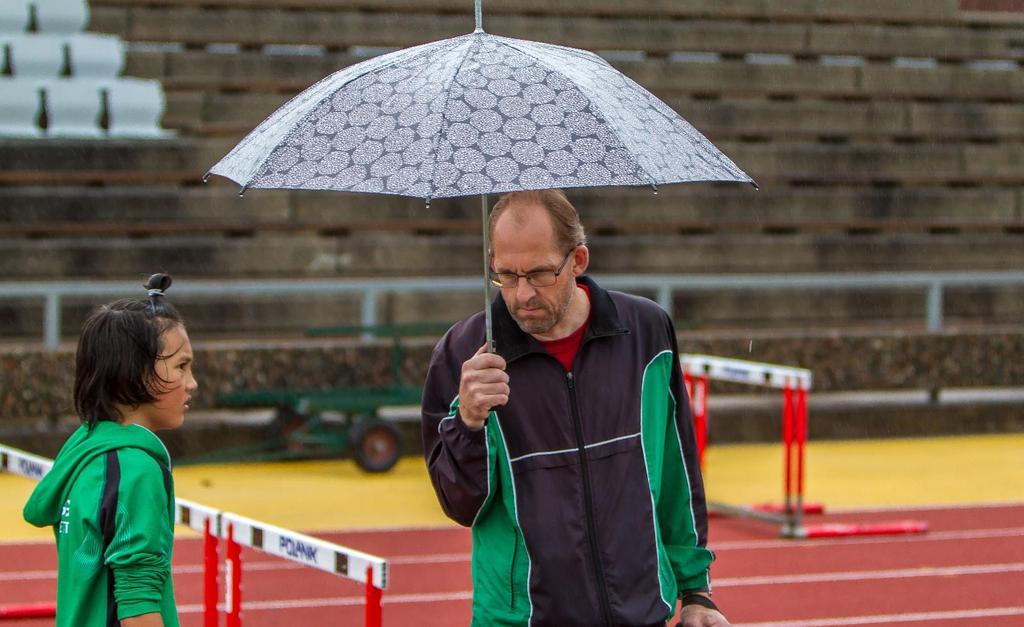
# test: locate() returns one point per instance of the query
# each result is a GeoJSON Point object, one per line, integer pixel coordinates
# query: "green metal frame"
{"type": "Point", "coordinates": [299, 430]}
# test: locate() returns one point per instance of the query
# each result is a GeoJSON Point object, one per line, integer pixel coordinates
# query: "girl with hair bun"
{"type": "Point", "coordinates": [110, 496]}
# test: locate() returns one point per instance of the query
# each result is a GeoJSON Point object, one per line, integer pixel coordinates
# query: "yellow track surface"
{"type": "Point", "coordinates": [331, 495]}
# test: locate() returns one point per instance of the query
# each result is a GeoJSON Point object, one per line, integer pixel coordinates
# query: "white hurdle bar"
{"type": "Point", "coordinates": [749, 372]}
{"type": "Point", "coordinates": [23, 464]}
{"type": "Point", "coordinates": [241, 531]}
{"type": "Point", "coordinates": [313, 552]}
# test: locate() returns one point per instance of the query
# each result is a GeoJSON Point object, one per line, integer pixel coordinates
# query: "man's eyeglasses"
{"type": "Point", "coordinates": [537, 278]}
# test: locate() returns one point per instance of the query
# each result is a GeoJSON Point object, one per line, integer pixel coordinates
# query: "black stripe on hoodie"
{"type": "Point", "coordinates": [107, 520]}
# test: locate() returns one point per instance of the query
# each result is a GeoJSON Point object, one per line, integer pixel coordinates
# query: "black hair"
{"type": "Point", "coordinates": [115, 363]}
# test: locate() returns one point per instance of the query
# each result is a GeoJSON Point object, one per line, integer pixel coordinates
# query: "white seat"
{"type": "Point", "coordinates": [135, 107]}
{"type": "Point", "coordinates": [14, 16]}
{"type": "Point", "coordinates": [61, 16]}
{"type": "Point", "coordinates": [20, 106]}
{"type": "Point", "coordinates": [33, 55]}
{"type": "Point", "coordinates": [91, 55]}
{"type": "Point", "coordinates": [73, 108]}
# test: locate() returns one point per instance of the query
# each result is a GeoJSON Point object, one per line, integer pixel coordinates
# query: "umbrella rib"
{"type": "Point", "coordinates": [444, 112]}
{"type": "Point", "coordinates": [512, 44]}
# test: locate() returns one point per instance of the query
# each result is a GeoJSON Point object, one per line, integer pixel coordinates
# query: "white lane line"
{"type": "Point", "coordinates": [441, 558]}
{"type": "Point", "coordinates": [372, 529]}
{"type": "Point", "coordinates": [183, 534]}
{"type": "Point", "coordinates": [184, 569]}
{"type": "Point", "coordinates": [721, 582]}
{"type": "Point", "coordinates": [931, 536]}
{"type": "Point", "coordinates": [927, 507]}
{"type": "Point", "coordinates": [887, 619]}
{"type": "Point", "coordinates": [869, 575]}
{"type": "Point", "coordinates": [735, 545]}
{"type": "Point", "coordinates": [27, 575]}
{"type": "Point", "coordinates": [190, 569]}
{"type": "Point", "coordinates": [291, 604]}
{"type": "Point", "coordinates": [369, 530]}
{"type": "Point", "coordinates": [465, 595]}
{"type": "Point", "coordinates": [458, 558]}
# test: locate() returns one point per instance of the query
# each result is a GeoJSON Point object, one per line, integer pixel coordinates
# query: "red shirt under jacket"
{"type": "Point", "coordinates": [564, 349]}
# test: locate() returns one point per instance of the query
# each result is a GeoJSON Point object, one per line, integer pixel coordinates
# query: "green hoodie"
{"type": "Point", "coordinates": [110, 500]}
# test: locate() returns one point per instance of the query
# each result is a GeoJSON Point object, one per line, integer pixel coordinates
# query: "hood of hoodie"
{"type": "Point", "coordinates": [44, 505]}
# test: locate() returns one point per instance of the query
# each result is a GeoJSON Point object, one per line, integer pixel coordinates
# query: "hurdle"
{"type": "Point", "coordinates": [205, 520]}
{"type": "Point", "coordinates": [34, 467]}
{"type": "Point", "coordinates": [237, 531]}
{"type": "Point", "coordinates": [795, 383]}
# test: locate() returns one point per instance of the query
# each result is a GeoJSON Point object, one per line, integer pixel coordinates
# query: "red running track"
{"type": "Point", "coordinates": [968, 570]}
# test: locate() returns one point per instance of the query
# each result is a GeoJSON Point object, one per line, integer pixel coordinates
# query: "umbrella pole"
{"type": "Point", "coordinates": [487, 272]}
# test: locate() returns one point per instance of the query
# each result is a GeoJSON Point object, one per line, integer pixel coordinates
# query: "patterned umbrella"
{"type": "Point", "coordinates": [476, 114]}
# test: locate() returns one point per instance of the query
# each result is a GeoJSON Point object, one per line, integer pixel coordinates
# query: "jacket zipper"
{"type": "Point", "coordinates": [512, 571]}
{"type": "Point", "coordinates": [606, 609]}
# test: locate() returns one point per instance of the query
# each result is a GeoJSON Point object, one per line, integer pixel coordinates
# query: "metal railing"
{"type": "Point", "coordinates": [664, 288]}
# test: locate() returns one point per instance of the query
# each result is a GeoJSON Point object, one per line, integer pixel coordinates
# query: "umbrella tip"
{"type": "Point", "coordinates": [757, 187]}
{"type": "Point", "coordinates": [428, 203]}
{"type": "Point", "coordinates": [241, 191]}
{"type": "Point", "coordinates": [654, 188]}
{"type": "Point", "coordinates": [206, 177]}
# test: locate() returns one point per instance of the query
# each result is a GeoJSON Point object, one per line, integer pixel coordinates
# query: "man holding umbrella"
{"type": "Point", "coordinates": [569, 449]}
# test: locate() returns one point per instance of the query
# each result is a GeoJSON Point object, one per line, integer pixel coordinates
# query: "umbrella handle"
{"type": "Point", "coordinates": [489, 335]}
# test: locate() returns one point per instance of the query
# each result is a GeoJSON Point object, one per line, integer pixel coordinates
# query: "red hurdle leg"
{"type": "Point", "coordinates": [233, 582]}
{"type": "Point", "coordinates": [374, 612]}
{"type": "Point", "coordinates": [800, 424]}
{"type": "Point", "coordinates": [210, 586]}
{"type": "Point", "coordinates": [690, 392]}
{"type": "Point", "coordinates": [690, 383]}
{"type": "Point", "coordinates": [700, 417]}
{"type": "Point", "coordinates": [787, 440]}
{"type": "Point", "coordinates": [801, 439]}
{"type": "Point", "coordinates": [698, 410]}
{"type": "Point", "coordinates": [29, 610]}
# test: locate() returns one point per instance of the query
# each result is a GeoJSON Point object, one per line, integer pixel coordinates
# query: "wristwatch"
{"type": "Point", "coordinates": [692, 598]}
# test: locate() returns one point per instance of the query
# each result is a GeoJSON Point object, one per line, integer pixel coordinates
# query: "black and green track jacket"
{"type": "Point", "coordinates": [110, 500]}
{"type": "Point", "coordinates": [583, 492]}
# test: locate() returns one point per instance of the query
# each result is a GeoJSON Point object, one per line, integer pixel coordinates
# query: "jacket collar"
{"type": "Point", "coordinates": [511, 342]}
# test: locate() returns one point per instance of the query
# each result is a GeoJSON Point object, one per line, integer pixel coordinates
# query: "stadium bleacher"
{"type": "Point", "coordinates": [60, 82]}
{"type": "Point", "coordinates": [886, 137]}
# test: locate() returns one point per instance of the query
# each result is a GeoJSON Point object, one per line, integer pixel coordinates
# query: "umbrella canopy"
{"type": "Point", "coordinates": [476, 114]}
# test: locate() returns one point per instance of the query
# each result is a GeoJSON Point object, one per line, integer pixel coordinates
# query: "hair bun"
{"type": "Point", "coordinates": [159, 281]}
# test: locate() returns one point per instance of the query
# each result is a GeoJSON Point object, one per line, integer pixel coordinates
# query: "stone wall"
{"type": "Point", "coordinates": [35, 383]}
{"type": "Point", "coordinates": [882, 360]}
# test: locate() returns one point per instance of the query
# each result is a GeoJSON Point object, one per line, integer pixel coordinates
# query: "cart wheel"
{"type": "Point", "coordinates": [377, 444]}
